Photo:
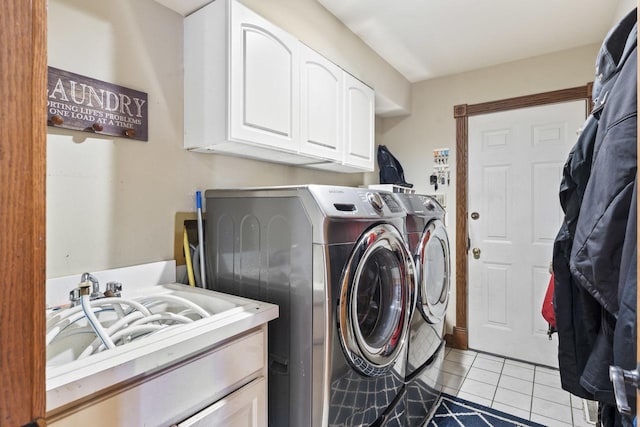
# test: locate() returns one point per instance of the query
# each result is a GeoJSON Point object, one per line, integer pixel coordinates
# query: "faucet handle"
{"type": "Point", "coordinates": [74, 297]}
{"type": "Point", "coordinates": [113, 289]}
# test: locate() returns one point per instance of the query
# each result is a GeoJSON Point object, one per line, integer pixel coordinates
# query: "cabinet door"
{"type": "Point", "coordinates": [321, 111]}
{"type": "Point", "coordinates": [245, 407]}
{"type": "Point", "coordinates": [359, 123]}
{"type": "Point", "coordinates": [264, 82]}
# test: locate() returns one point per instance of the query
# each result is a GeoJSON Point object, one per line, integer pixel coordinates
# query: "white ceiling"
{"type": "Point", "coordinates": [424, 39]}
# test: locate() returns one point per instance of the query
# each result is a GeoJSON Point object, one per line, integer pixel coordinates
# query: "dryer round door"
{"type": "Point", "coordinates": [375, 300]}
{"type": "Point", "coordinates": [433, 272]}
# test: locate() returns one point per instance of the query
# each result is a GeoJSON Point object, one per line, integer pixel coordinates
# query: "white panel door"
{"type": "Point", "coordinates": [515, 167]}
{"type": "Point", "coordinates": [359, 123]}
{"type": "Point", "coordinates": [321, 99]}
{"type": "Point", "coordinates": [265, 82]}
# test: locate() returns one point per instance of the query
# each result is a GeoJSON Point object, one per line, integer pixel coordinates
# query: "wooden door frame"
{"type": "Point", "coordinates": [23, 83]}
{"type": "Point", "coordinates": [460, 337]}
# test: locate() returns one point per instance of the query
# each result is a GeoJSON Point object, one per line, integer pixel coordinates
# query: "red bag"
{"type": "Point", "coordinates": [547, 308]}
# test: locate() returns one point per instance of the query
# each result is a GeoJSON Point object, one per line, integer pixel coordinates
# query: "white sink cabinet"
{"type": "Point", "coordinates": [210, 372]}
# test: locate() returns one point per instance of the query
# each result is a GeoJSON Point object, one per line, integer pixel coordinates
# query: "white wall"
{"type": "Point", "coordinates": [110, 201]}
{"type": "Point", "coordinates": [431, 124]}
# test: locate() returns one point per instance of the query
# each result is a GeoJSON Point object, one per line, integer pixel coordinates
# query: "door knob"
{"type": "Point", "coordinates": [475, 215]}
{"type": "Point", "coordinates": [476, 253]}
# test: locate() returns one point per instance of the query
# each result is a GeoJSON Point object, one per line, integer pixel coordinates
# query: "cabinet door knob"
{"type": "Point", "coordinates": [475, 215]}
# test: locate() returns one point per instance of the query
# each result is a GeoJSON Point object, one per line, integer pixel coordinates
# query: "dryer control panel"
{"type": "Point", "coordinates": [391, 202]}
{"type": "Point", "coordinates": [356, 202]}
{"type": "Point", "coordinates": [418, 204]}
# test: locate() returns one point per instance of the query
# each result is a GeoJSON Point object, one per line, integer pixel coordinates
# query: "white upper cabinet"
{"type": "Point", "coordinates": [253, 90]}
{"type": "Point", "coordinates": [241, 83]}
{"type": "Point", "coordinates": [357, 121]}
{"type": "Point", "coordinates": [321, 106]}
{"type": "Point", "coordinates": [359, 135]}
{"type": "Point", "coordinates": [265, 84]}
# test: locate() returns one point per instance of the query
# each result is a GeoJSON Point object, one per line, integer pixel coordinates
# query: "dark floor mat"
{"type": "Point", "coordinates": [453, 411]}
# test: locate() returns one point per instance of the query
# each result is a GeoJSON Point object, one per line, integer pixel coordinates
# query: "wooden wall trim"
{"type": "Point", "coordinates": [461, 113]}
{"type": "Point", "coordinates": [462, 236]}
{"type": "Point", "coordinates": [38, 214]}
{"type": "Point", "coordinates": [553, 97]}
{"type": "Point", "coordinates": [22, 211]}
{"type": "Point", "coordinates": [458, 339]}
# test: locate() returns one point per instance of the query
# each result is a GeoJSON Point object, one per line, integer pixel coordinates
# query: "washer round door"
{"type": "Point", "coordinates": [375, 300]}
{"type": "Point", "coordinates": [433, 272]}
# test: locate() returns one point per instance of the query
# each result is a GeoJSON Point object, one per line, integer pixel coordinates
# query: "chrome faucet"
{"type": "Point", "coordinates": [74, 295]}
{"type": "Point", "coordinates": [88, 280]}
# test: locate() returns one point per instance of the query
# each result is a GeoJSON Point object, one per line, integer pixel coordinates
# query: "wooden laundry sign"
{"type": "Point", "coordinates": [82, 103]}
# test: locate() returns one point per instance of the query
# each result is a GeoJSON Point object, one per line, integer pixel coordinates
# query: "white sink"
{"type": "Point", "coordinates": [69, 378]}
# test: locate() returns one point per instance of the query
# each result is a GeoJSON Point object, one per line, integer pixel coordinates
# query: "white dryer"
{"type": "Point", "coordinates": [335, 261]}
{"type": "Point", "coordinates": [429, 243]}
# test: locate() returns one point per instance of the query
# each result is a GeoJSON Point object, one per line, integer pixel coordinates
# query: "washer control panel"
{"type": "Point", "coordinates": [356, 202]}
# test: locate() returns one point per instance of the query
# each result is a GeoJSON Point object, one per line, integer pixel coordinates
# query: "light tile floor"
{"type": "Point", "coordinates": [527, 391]}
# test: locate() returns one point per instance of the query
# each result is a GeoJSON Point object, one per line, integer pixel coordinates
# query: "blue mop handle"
{"type": "Point", "coordinates": [203, 280]}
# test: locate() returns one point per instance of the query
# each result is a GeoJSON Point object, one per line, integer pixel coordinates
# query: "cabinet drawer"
{"type": "Point", "coordinates": [243, 408]}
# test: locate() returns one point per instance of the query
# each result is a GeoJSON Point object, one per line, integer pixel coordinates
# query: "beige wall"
{"type": "Point", "coordinates": [624, 6]}
{"type": "Point", "coordinates": [110, 201]}
{"type": "Point", "coordinates": [431, 125]}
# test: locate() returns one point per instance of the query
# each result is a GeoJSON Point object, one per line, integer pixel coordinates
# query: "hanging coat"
{"type": "Point", "coordinates": [595, 194]}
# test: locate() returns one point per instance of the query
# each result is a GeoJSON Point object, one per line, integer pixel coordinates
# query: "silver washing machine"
{"type": "Point", "coordinates": [428, 241]}
{"type": "Point", "coordinates": [335, 261]}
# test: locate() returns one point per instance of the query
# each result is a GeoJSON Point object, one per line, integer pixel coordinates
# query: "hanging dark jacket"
{"type": "Point", "coordinates": [601, 229]}
{"type": "Point", "coordinates": [577, 312]}
{"type": "Point", "coordinates": [595, 194]}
